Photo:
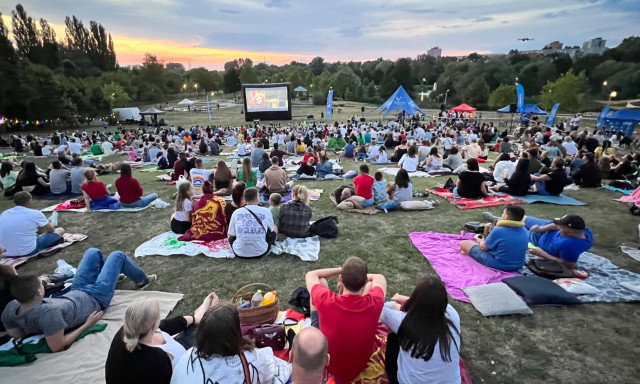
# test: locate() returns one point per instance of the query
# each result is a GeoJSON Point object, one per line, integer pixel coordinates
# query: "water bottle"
{"type": "Point", "coordinates": [256, 300]}
{"type": "Point", "coordinates": [269, 298]}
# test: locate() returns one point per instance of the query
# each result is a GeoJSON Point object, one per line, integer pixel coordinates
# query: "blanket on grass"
{"type": "Point", "coordinates": [632, 252]}
{"type": "Point", "coordinates": [633, 197]}
{"type": "Point", "coordinates": [442, 250]}
{"type": "Point", "coordinates": [167, 244]}
{"type": "Point", "coordinates": [624, 191]}
{"type": "Point", "coordinates": [394, 172]}
{"type": "Point", "coordinates": [458, 271]}
{"type": "Point", "coordinates": [559, 200]}
{"type": "Point", "coordinates": [464, 203]}
{"type": "Point", "coordinates": [365, 211]}
{"type": "Point", "coordinates": [84, 361]}
{"type": "Point", "coordinates": [67, 207]}
{"type": "Point", "coordinates": [69, 238]}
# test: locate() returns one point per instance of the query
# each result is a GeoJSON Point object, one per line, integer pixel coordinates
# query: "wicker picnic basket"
{"type": "Point", "coordinates": [257, 315]}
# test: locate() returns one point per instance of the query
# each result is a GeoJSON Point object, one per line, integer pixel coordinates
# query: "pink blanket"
{"type": "Point", "coordinates": [456, 271]}
{"type": "Point", "coordinates": [634, 197]}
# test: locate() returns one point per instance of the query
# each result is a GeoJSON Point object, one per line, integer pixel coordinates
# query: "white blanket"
{"type": "Point", "coordinates": [84, 361]}
{"type": "Point", "coordinates": [394, 172]}
{"type": "Point", "coordinates": [307, 249]}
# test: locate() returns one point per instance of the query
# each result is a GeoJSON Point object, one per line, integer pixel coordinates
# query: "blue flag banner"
{"type": "Point", "coordinates": [329, 104]}
{"type": "Point", "coordinates": [208, 107]}
{"type": "Point", "coordinates": [602, 115]}
{"type": "Point", "coordinates": [520, 93]}
{"type": "Point", "coordinates": [552, 115]}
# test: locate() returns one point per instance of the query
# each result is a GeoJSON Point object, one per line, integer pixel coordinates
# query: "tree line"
{"type": "Point", "coordinates": [77, 76]}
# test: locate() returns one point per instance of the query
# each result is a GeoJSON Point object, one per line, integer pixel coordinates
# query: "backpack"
{"type": "Point", "coordinates": [326, 227]}
{"type": "Point", "coordinates": [549, 269]}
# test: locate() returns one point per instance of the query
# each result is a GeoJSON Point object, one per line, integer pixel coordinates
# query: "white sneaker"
{"type": "Point", "coordinates": [53, 219]}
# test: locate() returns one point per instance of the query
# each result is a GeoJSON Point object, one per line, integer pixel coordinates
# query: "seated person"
{"type": "Point", "coordinates": [300, 148]}
{"type": "Point", "coordinates": [416, 353]}
{"type": "Point", "coordinates": [588, 174]}
{"type": "Point", "coordinates": [161, 161]}
{"type": "Point", "coordinates": [373, 153]}
{"type": "Point", "coordinates": [349, 150]}
{"type": "Point", "coordinates": [503, 168]}
{"type": "Point", "coordinates": [214, 148]}
{"type": "Point", "coordinates": [8, 176]}
{"type": "Point", "coordinates": [144, 349]}
{"type": "Point", "coordinates": [219, 342]}
{"type": "Point", "coordinates": [336, 143]}
{"type": "Point", "coordinates": [96, 194]}
{"type": "Point", "coordinates": [324, 166]}
{"type": "Point", "coordinates": [59, 179]}
{"type": "Point", "coordinates": [247, 233]}
{"type": "Point", "coordinates": [409, 160]}
{"type": "Point", "coordinates": [96, 149]}
{"type": "Point", "coordinates": [243, 149]}
{"type": "Point", "coordinates": [379, 188]}
{"type": "Point", "coordinates": [275, 178]}
{"type": "Point", "coordinates": [293, 220]}
{"type": "Point", "coordinates": [364, 186]}
{"type": "Point", "coordinates": [400, 151]}
{"type": "Point", "coordinates": [620, 168]}
{"type": "Point", "coordinates": [237, 200]}
{"type": "Point", "coordinates": [309, 356]}
{"type": "Point", "coordinates": [505, 247]}
{"type": "Point", "coordinates": [7, 275]}
{"type": "Point", "coordinates": [180, 167]}
{"type": "Point", "coordinates": [77, 176]}
{"type": "Point", "coordinates": [223, 179]}
{"type": "Point", "coordinates": [351, 333]}
{"type": "Point", "coordinates": [32, 181]}
{"type": "Point", "coordinates": [19, 228]}
{"type": "Point", "coordinates": [551, 181]}
{"type": "Point", "coordinates": [307, 168]}
{"type": "Point", "coordinates": [64, 318]}
{"type": "Point", "coordinates": [130, 190]}
{"type": "Point", "coordinates": [361, 153]}
{"type": "Point", "coordinates": [562, 240]}
{"type": "Point", "coordinates": [181, 218]}
{"type": "Point", "coordinates": [519, 182]}
{"type": "Point", "coordinates": [455, 161]}
{"type": "Point", "coordinates": [470, 183]}
{"type": "Point", "coordinates": [265, 163]}
{"type": "Point", "coordinates": [274, 206]}
{"type": "Point", "coordinates": [382, 157]}
{"type": "Point", "coordinates": [208, 222]}
{"type": "Point", "coordinates": [343, 192]}
{"type": "Point", "coordinates": [434, 161]}
{"type": "Point", "coordinates": [401, 189]}
{"type": "Point", "coordinates": [247, 175]}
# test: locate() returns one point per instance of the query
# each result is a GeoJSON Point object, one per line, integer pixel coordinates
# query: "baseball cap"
{"type": "Point", "coordinates": [571, 221]}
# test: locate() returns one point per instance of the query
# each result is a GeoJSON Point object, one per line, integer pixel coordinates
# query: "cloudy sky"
{"type": "Point", "coordinates": [210, 32]}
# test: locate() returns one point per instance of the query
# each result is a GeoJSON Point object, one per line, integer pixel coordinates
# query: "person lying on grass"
{"type": "Point", "coordinates": [146, 348]}
{"type": "Point", "coordinates": [64, 318]}
{"type": "Point", "coordinates": [505, 247]}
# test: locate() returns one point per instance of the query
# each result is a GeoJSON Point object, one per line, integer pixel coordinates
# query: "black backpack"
{"type": "Point", "coordinates": [326, 227]}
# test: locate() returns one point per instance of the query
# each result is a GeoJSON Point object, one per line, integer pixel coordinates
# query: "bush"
{"type": "Point", "coordinates": [319, 98]}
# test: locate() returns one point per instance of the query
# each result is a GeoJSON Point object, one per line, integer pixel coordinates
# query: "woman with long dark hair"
{"type": "Point", "coordinates": [223, 179]}
{"type": "Point", "coordinates": [402, 188]}
{"type": "Point", "coordinates": [519, 182]}
{"type": "Point", "coordinates": [32, 181]}
{"type": "Point", "coordinates": [426, 336]}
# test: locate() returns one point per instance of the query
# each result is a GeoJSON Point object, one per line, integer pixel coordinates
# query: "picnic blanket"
{"type": "Point", "coordinates": [67, 207]}
{"type": "Point", "coordinates": [632, 252]}
{"type": "Point", "coordinates": [154, 169]}
{"type": "Point", "coordinates": [365, 211]}
{"type": "Point", "coordinates": [634, 197]}
{"type": "Point", "coordinates": [625, 191]}
{"type": "Point", "coordinates": [166, 244]}
{"type": "Point", "coordinates": [464, 203]}
{"type": "Point", "coordinates": [559, 200]}
{"type": "Point", "coordinates": [84, 361]}
{"type": "Point", "coordinates": [605, 276]}
{"type": "Point", "coordinates": [456, 270]}
{"type": "Point", "coordinates": [314, 195]}
{"type": "Point", "coordinates": [69, 238]}
{"type": "Point", "coordinates": [394, 172]}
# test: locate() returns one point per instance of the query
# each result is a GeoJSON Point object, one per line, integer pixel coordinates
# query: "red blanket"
{"type": "Point", "coordinates": [464, 203]}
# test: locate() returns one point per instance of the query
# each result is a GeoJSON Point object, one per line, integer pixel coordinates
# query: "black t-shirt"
{"type": "Point", "coordinates": [519, 183]}
{"type": "Point", "coordinates": [588, 176]}
{"type": "Point", "coordinates": [557, 183]}
{"type": "Point", "coordinates": [591, 144]}
{"type": "Point", "coordinates": [470, 184]}
{"type": "Point", "coordinates": [306, 169]}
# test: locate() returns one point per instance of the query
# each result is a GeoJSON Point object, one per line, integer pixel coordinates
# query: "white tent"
{"type": "Point", "coordinates": [151, 111]}
{"type": "Point", "coordinates": [186, 102]}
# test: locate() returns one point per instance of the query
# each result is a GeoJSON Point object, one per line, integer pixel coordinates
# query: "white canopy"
{"type": "Point", "coordinates": [186, 102]}
{"type": "Point", "coordinates": [151, 111]}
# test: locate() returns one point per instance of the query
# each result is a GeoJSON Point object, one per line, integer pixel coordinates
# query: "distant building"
{"type": "Point", "coordinates": [572, 51]}
{"type": "Point", "coordinates": [434, 52]}
{"type": "Point", "coordinates": [551, 48]}
{"type": "Point", "coordinates": [594, 46]}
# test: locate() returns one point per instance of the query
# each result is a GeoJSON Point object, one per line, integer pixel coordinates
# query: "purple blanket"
{"type": "Point", "coordinates": [456, 271]}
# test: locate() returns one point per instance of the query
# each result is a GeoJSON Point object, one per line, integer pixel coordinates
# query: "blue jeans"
{"type": "Point", "coordinates": [529, 222]}
{"type": "Point", "coordinates": [478, 255]}
{"type": "Point", "coordinates": [455, 193]}
{"type": "Point", "coordinates": [44, 241]}
{"type": "Point", "coordinates": [98, 277]}
{"type": "Point", "coordinates": [143, 202]}
{"type": "Point", "coordinates": [361, 156]}
{"type": "Point", "coordinates": [368, 202]}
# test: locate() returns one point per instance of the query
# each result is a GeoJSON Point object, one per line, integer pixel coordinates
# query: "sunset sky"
{"type": "Point", "coordinates": [209, 33]}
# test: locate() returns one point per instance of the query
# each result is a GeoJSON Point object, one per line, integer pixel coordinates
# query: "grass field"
{"type": "Point", "coordinates": [591, 343]}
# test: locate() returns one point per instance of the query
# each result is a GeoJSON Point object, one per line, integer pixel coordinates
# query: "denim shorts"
{"type": "Point", "coordinates": [44, 241]}
{"type": "Point", "coordinates": [478, 255]}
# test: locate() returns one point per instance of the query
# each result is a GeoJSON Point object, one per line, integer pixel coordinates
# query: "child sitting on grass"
{"type": "Point", "coordinates": [379, 188]}
{"type": "Point", "coordinates": [274, 208]}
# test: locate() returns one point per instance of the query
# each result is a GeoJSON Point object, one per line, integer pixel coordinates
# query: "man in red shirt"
{"type": "Point", "coordinates": [349, 319]}
{"type": "Point", "coordinates": [364, 186]}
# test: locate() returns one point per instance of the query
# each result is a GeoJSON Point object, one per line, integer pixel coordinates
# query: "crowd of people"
{"type": "Point", "coordinates": [423, 341]}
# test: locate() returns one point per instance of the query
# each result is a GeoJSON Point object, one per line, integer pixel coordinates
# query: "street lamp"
{"type": "Point", "coordinates": [196, 87]}
{"type": "Point", "coordinates": [424, 80]}
{"type": "Point", "coordinates": [445, 97]}
{"type": "Point", "coordinates": [612, 95]}
{"type": "Point", "coordinates": [184, 87]}
{"type": "Point", "coordinates": [604, 83]}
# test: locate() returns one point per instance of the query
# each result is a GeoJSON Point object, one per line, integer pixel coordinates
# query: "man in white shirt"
{"type": "Point", "coordinates": [247, 234]}
{"type": "Point", "coordinates": [107, 148]}
{"type": "Point", "coordinates": [19, 228]}
{"type": "Point", "coordinates": [75, 147]}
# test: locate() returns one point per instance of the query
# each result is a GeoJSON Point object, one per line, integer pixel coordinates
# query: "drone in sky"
{"type": "Point", "coordinates": [526, 39]}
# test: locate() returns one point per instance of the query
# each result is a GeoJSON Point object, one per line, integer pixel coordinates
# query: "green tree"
{"type": "Point", "coordinates": [115, 95]}
{"type": "Point", "coordinates": [316, 65]}
{"type": "Point", "coordinates": [402, 73]}
{"type": "Point", "coordinates": [566, 90]}
{"type": "Point", "coordinates": [478, 93]}
{"type": "Point", "coordinates": [501, 96]}
{"type": "Point", "coordinates": [342, 80]}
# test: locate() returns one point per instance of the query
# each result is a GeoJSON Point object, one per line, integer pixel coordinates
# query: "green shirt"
{"type": "Point", "coordinates": [96, 149]}
{"type": "Point", "coordinates": [275, 213]}
{"type": "Point", "coordinates": [250, 183]}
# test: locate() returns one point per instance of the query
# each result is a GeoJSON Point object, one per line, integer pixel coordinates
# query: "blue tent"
{"type": "Point", "coordinates": [399, 100]}
{"type": "Point", "coordinates": [526, 108]}
{"type": "Point", "coordinates": [624, 120]}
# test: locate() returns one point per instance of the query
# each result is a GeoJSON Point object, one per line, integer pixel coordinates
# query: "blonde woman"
{"type": "Point", "coordinates": [144, 350]}
{"type": "Point", "coordinates": [295, 215]}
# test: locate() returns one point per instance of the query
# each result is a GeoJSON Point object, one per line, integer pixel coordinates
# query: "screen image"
{"type": "Point", "coordinates": [267, 99]}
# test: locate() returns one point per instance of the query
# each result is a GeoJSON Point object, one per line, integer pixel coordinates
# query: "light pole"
{"type": "Point", "coordinates": [196, 87]}
{"type": "Point", "coordinates": [445, 97]}
{"type": "Point", "coordinates": [612, 95]}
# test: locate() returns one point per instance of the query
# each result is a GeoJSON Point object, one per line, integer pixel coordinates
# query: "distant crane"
{"type": "Point", "coordinates": [526, 39]}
